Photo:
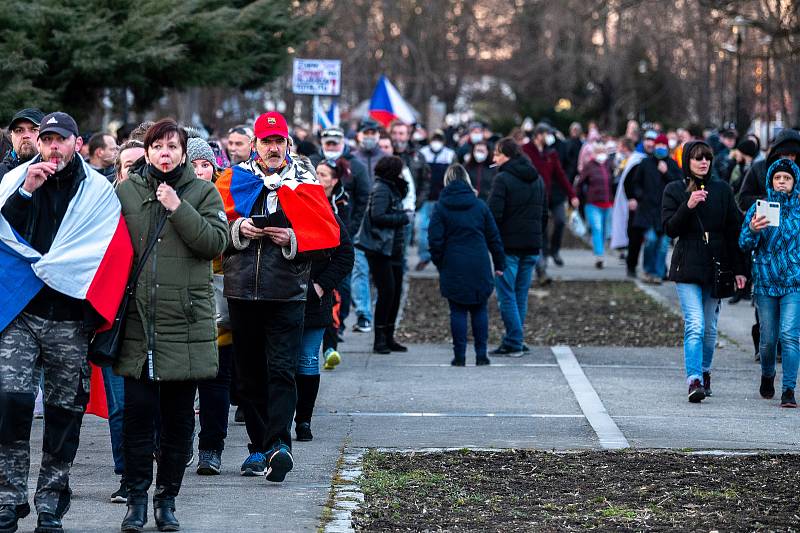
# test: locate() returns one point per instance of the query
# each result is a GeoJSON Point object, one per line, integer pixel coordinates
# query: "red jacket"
{"type": "Point", "coordinates": [599, 183]}
{"type": "Point", "coordinates": [549, 166]}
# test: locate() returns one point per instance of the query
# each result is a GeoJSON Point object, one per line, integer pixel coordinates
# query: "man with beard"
{"type": "Point", "coordinates": [24, 129]}
{"type": "Point", "coordinates": [57, 207]}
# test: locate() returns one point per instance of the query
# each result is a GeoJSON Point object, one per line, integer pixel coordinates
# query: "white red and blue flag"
{"type": "Point", "coordinates": [387, 105]}
{"type": "Point", "coordinates": [90, 258]}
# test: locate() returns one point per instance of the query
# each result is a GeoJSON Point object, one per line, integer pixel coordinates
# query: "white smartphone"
{"type": "Point", "coordinates": [771, 210]}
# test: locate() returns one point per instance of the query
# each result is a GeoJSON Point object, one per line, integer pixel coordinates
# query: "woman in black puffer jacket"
{"type": "Point", "coordinates": [702, 214]}
{"type": "Point", "coordinates": [381, 236]}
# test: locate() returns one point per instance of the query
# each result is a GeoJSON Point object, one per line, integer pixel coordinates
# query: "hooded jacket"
{"type": "Point", "coordinates": [776, 251]}
{"type": "Point", "coordinates": [693, 258]}
{"type": "Point", "coordinates": [518, 204]}
{"type": "Point", "coordinates": [461, 235]}
{"type": "Point", "coordinates": [171, 330]}
{"type": "Point", "coordinates": [787, 141]}
{"type": "Point", "coordinates": [382, 228]}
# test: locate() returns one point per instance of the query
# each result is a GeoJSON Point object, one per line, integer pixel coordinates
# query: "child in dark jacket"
{"type": "Point", "coordinates": [776, 278]}
{"type": "Point", "coordinates": [461, 235]}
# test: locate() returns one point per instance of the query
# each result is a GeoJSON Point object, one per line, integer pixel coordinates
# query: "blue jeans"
{"type": "Point", "coordinates": [654, 256]}
{"type": "Point", "coordinates": [780, 321]}
{"type": "Point", "coordinates": [423, 221]}
{"type": "Point", "coordinates": [458, 327]}
{"type": "Point", "coordinates": [599, 220]}
{"type": "Point", "coordinates": [359, 286]}
{"type": "Point", "coordinates": [115, 398]}
{"type": "Point", "coordinates": [700, 314]}
{"type": "Point", "coordinates": [512, 296]}
{"type": "Point", "coordinates": [308, 362]}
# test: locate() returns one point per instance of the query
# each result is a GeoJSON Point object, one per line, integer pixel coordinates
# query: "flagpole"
{"type": "Point", "coordinates": [315, 112]}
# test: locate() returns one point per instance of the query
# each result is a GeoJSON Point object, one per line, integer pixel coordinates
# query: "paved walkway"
{"type": "Point", "coordinates": [577, 398]}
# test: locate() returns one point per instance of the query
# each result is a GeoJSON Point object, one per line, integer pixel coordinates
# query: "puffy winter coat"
{"type": "Point", "coordinates": [598, 181]}
{"type": "Point", "coordinates": [381, 230]}
{"type": "Point", "coordinates": [693, 259]}
{"type": "Point", "coordinates": [776, 251]}
{"type": "Point", "coordinates": [171, 329]}
{"type": "Point", "coordinates": [648, 187]}
{"type": "Point", "coordinates": [518, 204]}
{"type": "Point", "coordinates": [461, 235]}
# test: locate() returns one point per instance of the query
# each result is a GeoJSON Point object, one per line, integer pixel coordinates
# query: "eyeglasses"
{"type": "Point", "coordinates": [703, 157]}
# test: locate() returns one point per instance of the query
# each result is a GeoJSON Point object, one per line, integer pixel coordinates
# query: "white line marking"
{"type": "Point", "coordinates": [448, 365]}
{"type": "Point", "coordinates": [451, 415]}
{"type": "Point", "coordinates": [608, 433]}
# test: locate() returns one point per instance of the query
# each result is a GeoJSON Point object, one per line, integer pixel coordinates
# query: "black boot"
{"type": "Point", "coordinates": [391, 343]}
{"type": "Point", "coordinates": [135, 518]}
{"type": "Point", "coordinates": [10, 515]}
{"type": "Point", "coordinates": [380, 345]}
{"type": "Point", "coordinates": [307, 389]}
{"type": "Point", "coordinates": [48, 523]}
{"type": "Point", "coordinates": [164, 512]}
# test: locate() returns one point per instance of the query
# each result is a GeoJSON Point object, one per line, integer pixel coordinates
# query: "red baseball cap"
{"type": "Point", "coordinates": [661, 139]}
{"type": "Point", "coordinates": [271, 123]}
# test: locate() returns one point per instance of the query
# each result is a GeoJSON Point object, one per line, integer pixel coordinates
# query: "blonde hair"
{"type": "Point", "coordinates": [456, 172]}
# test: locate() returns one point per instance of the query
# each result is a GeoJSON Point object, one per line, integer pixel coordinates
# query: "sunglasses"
{"type": "Point", "coordinates": [703, 157]}
{"type": "Point", "coordinates": [240, 131]}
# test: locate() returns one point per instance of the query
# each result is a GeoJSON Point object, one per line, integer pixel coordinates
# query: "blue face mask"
{"type": "Point", "coordinates": [661, 153]}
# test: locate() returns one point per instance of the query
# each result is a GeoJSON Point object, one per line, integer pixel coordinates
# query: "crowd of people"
{"type": "Point", "coordinates": [239, 259]}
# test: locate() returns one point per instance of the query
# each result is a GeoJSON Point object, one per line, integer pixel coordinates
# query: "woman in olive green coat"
{"type": "Point", "coordinates": [170, 334]}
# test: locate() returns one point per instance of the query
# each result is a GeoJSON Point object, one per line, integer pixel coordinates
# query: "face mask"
{"type": "Point", "coordinates": [418, 136]}
{"type": "Point", "coordinates": [400, 146]}
{"type": "Point", "coordinates": [673, 143]}
{"type": "Point", "coordinates": [661, 152]}
{"type": "Point", "coordinates": [332, 155]}
{"type": "Point", "coordinates": [549, 139]}
{"type": "Point", "coordinates": [369, 143]}
{"type": "Point", "coordinates": [475, 138]}
{"type": "Point", "coordinates": [436, 146]}
{"type": "Point", "coordinates": [601, 158]}
{"type": "Point", "coordinates": [480, 157]}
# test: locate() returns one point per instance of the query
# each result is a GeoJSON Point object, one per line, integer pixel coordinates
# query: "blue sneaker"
{"type": "Point", "coordinates": [280, 463]}
{"type": "Point", "coordinates": [254, 465]}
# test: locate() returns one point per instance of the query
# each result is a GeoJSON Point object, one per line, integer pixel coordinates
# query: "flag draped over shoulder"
{"type": "Point", "coordinates": [295, 189]}
{"type": "Point", "coordinates": [90, 258]}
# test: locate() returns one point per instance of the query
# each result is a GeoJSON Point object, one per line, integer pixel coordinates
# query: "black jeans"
{"type": "Point", "coordinates": [557, 220]}
{"type": "Point", "coordinates": [267, 338]}
{"type": "Point", "coordinates": [635, 240]}
{"type": "Point", "coordinates": [175, 402]}
{"type": "Point", "coordinates": [215, 401]}
{"type": "Point", "coordinates": [387, 274]}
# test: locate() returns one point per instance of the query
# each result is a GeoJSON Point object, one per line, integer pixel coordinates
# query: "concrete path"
{"type": "Point", "coordinates": [417, 400]}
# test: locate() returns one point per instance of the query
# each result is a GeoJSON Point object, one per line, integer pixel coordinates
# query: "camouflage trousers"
{"type": "Point", "coordinates": [31, 346]}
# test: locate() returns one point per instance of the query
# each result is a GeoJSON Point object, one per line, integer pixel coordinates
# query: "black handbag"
{"type": "Point", "coordinates": [724, 282]}
{"type": "Point", "coordinates": [104, 346]}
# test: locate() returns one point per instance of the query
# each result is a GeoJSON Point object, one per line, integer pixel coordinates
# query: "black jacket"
{"type": "Point", "coordinates": [482, 177]}
{"type": "Point", "coordinates": [693, 259]}
{"type": "Point", "coordinates": [754, 182]}
{"type": "Point", "coordinates": [381, 230]}
{"type": "Point", "coordinates": [328, 273]}
{"type": "Point", "coordinates": [518, 205]}
{"type": "Point", "coordinates": [37, 221]}
{"type": "Point", "coordinates": [462, 234]}
{"type": "Point", "coordinates": [357, 186]}
{"type": "Point", "coordinates": [261, 272]}
{"type": "Point", "coordinates": [648, 189]}
{"type": "Point", "coordinates": [9, 163]}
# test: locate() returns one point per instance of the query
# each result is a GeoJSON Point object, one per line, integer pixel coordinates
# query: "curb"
{"type": "Point", "coordinates": [347, 495]}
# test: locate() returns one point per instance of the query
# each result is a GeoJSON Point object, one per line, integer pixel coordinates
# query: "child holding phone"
{"type": "Point", "coordinates": [776, 278]}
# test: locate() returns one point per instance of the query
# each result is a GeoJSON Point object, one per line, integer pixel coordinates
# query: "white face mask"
{"type": "Point", "coordinates": [332, 155]}
{"type": "Point", "coordinates": [436, 146]}
{"type": "Point", "coordinates": [601, 158]}
{"type": "Point", "coordinates": [475, 138]}
{"type": "Point", "coordinates": [418, 136]}
{"type": "Point", "coordinates": [673, 143]}
{"type": "Point", "coordinates": [549, 139]}
{"type": "Point", "coordinates": [480, 157]}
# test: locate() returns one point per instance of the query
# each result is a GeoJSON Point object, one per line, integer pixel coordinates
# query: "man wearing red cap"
{"type": "Point", "coordinates": [266, 290]}
{"type": "Point", "coordinates": [652, 176]}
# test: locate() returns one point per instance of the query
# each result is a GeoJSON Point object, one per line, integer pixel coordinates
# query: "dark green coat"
{"type": "Point", "coordinates": [171, 331]}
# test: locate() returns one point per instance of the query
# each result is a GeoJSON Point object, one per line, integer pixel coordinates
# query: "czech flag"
{"type": "Point", "coordinates": [90, 259]}
{"type": "Point", "coordinates": [387, 105]}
